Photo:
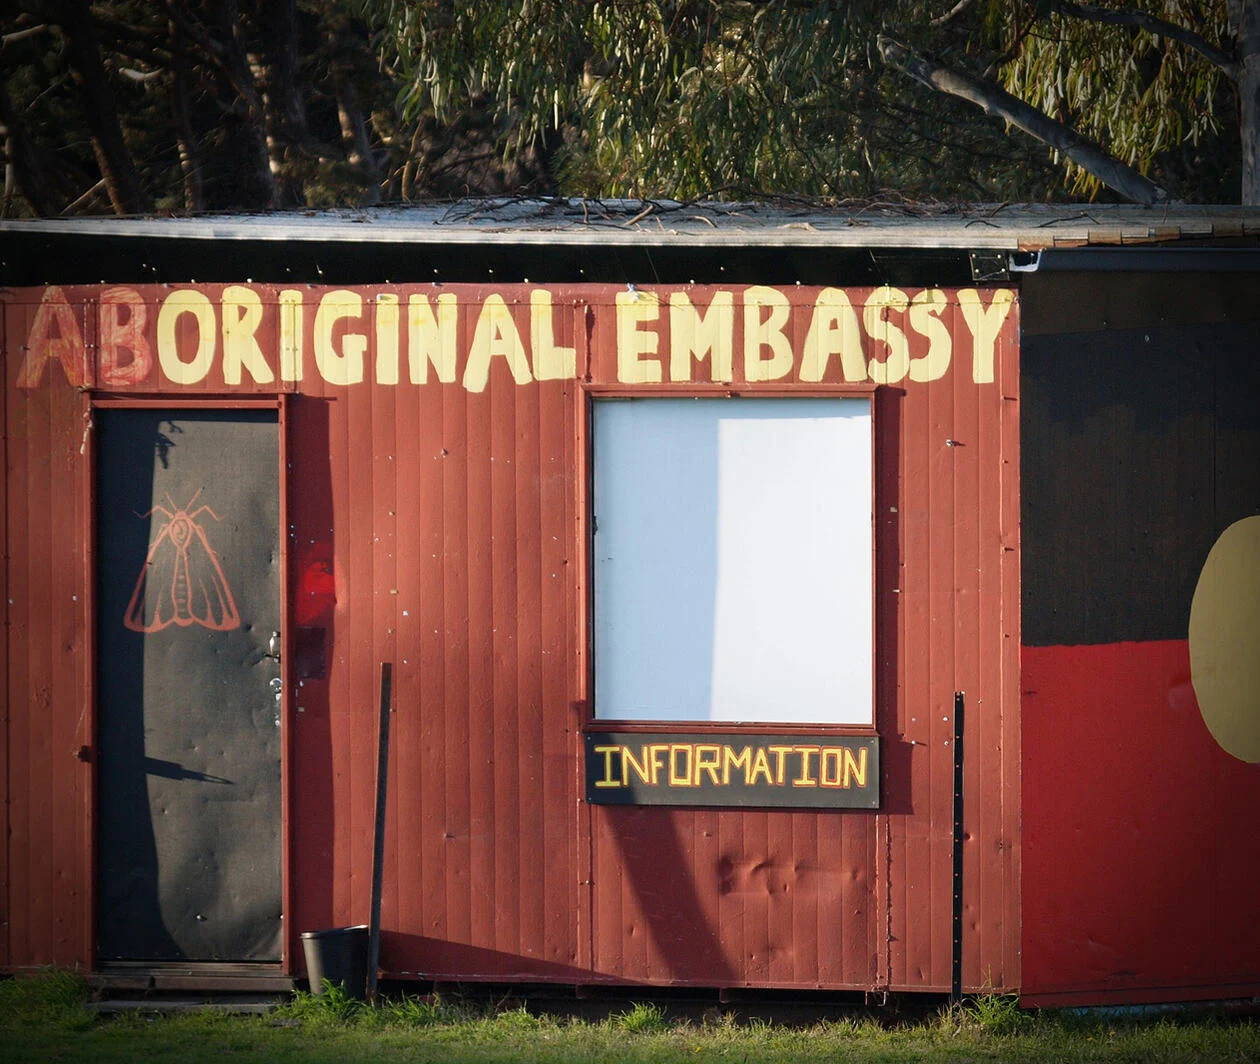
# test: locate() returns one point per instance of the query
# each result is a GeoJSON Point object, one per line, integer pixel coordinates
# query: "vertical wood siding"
{"type": "Point", "coordinates": [439, 528]}
{"type": "Point", "coordinates": [48, 788]}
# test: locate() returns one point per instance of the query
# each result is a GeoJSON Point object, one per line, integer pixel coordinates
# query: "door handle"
{"type": "Point", "coordinates": [273, 647]}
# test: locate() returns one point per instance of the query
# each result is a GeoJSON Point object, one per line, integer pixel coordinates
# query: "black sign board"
{"type": "Point", "coordinates": [732, 769]}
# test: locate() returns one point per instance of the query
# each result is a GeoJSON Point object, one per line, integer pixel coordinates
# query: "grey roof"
{"type": "Point", "coordinates": [658, 223]}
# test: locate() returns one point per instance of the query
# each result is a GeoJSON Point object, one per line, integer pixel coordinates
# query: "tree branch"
{"type": "Point", "coordinates": [21, 35]}
{"type": "Point", "coordinates": [1157, 26]}
{"type": "Point", "coordinates": [994, 100]}
{"type": "Point", "coordinates": [25, 157]}
{"type": "Point", "coordinates": [951, 14]}
{"type": "Point", "coordinates": [122, 177]}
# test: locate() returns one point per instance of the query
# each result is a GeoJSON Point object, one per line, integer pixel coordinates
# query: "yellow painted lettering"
{"type": "Point", "coordinates": [893, 367]}
{"type": "Point", "coordinates": [742, 760]}
{"type": "Point", "coordinates": [833, 329]}
{"type": "Point", "coordinates": [780, 762]}
{"type": "Point", "coordinates": [608, 780]}
{"type": "Point", "coordinates": [291, 327]}
{"type": "Point", "coordinates": [829, 766]}
{"type": "Point", "coordinates": [769, 333]}
{"type": "Point", "coordinates": [641, 768]}
{"type": "Point", "coordinates": [120, 334]}
{"type": "Point", "coordinates": [65, 348]}
{"type": "Point", "coordinates": [760, 767]}
{"type": "Point", "coordinates": [855, 769]}
{"type": "Point", "coordinates": [344, 366]}
{"type": "Point", "coordinates": [681, 777]}
{"type": "Point", "coordinates": [636, 309]}
{"type": "Point", "coordinates": [242, 314]}
{"type": "Point", "coordinates": [387, 319]}
{"type": "Point", "coordinates": [805, 779]}
{"type": "Point", "coordinates": [551, 361]}
{"type": "Point", "coordinates": [655, 752]}
{"type": "Point", "coordinates": [708, 759]}
{"type": "Point", "coordinates": [925, 311]}
{"type": "Point", "coordinates": [985, 324]}
{"type": "Point", "coordinates": [693, 335]}
{"type": "Point", "coordinates": [174, 307]}
{"type": "Point", "coordinates": [495, 336]}
{"type": "Point", "coordinates": [431, 338]}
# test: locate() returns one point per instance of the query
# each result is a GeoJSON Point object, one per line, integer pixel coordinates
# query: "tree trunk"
{"type": "Point", "coordinates": [283, 105]}
{"type": "Point", "coordinates": [1244, 17]}
{"type": "Point", "coordinates": [246, 127]}
{"type": "Point", "coordinates": [24, 172]}
{"type": "Point", "coordinates": [286, 108]}
{"type": "Point", "coordinates": [122, 179]}
{"type": "Point", "coordinates": [354, 136]}
{"type": "Point", "coordinates": [994, 100]}
{"type": "Point", "coordinates": [189, 156]}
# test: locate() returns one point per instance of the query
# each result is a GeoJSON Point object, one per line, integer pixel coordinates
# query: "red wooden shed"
{"type": "Point", "coordinates": [696, 542]}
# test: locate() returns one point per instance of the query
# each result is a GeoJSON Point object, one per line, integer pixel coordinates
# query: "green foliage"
{"type": "Point", "coordinates": [200, 92]}
{"type": "Point", "coordinates": [414, 1011]}
{"type": "Point", "coordinates": [1151, 101]}
{"type": "Point", "coordinates": [997, 1014]}
{"type": "Point", "coordinates": [659, 98]}
{"type": "Point", "coordinates": [691, 98]}
{"type": "Point", "coordinates": [642, 1019]}
{"type": "Point", "coordinates": [52, 998]}
{"type": "Point", "coordinates": [333, 1007]}
{"type": "Point", "coordinates": [48, 1017]}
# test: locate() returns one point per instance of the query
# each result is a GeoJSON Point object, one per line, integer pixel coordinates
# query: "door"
{"type": "Point", "coordinates": [188, 685]}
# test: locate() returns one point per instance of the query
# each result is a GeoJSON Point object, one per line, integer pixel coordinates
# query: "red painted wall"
{"type": "Point", "coordinates": [436, 525]}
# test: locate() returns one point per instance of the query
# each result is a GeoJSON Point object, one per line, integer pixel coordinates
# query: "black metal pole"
{"type": "Point", "coordinates": [378, 829]}
{"type": "Point", "coordinates": [955, 986]}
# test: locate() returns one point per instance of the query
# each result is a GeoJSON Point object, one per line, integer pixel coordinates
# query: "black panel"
{"type": "Point", "coordinates": [733, 769]}
{"type": "Point", "coordinates": [188, 715]}
{"type": "Point", "coordinates": [1139, 447]}
{"type": "Point", "coordinates": [1061, 303]}
{"type": "Point", "coordinates": [53, 258]}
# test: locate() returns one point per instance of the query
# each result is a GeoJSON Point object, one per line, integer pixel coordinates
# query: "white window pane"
{"type": "Point", "coordinates": [733, 560]}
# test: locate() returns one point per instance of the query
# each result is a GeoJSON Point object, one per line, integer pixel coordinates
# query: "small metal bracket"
{"type": "Point", "coordinates": [989, 266]}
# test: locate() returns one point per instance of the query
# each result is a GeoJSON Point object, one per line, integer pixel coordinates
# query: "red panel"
{"type": "Point", "coordinates": [402, 883]}
{"type": "Point", "coordinates": [46, 866]}
{"type": "Point", "coordinates": [7, 316]}
{"type": "Point", "coordinates": [313, 585]}
{"type": "Point", "coordinates": [456, 833]}
{"type": "Point", "coordinates": [947, 609]}
{"type": "Point", "coordinates": [19, 840]}
{"type": "Point", "coordinates": [391, 598]}
{"type": "Point", "coordinates": [1000, 873]}
{"type": "Point", "coordinates": [441, 528]}
{"type": "Point", "coordinates": [1133, 884]}
{"type": "Point", "coordinates": [425, 826]}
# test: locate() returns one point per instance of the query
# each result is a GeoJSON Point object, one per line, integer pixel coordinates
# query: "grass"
{"type": "Point", "coordinates": [49, 1018]}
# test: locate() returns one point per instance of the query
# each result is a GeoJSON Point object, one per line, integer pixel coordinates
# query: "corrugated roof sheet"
{"type": "Point", "coordinates": [512, 221]}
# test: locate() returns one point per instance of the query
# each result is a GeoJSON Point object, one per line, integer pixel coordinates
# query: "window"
{"type": "Point", "coordinates": [732, 560]}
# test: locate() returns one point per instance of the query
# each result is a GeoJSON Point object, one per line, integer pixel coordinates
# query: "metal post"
{"type": "Point", "coordinates": [378, 828]}
{"type": "Point", "coordinates": [955, 987]}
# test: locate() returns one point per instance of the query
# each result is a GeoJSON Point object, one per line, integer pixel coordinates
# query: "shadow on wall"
{"type": "Point", "coordinates": [312, 587]}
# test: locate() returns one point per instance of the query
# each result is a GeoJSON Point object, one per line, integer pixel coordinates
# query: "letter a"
{"type": "Point", "coordinates": [66, 347]}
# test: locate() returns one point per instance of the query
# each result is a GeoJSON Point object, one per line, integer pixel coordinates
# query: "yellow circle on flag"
{"type": "Point", "coordinates": [1225, 640]}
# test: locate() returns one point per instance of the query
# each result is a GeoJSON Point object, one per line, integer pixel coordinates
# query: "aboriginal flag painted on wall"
{"type": "Point", "coordinates": [1140, 472]}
